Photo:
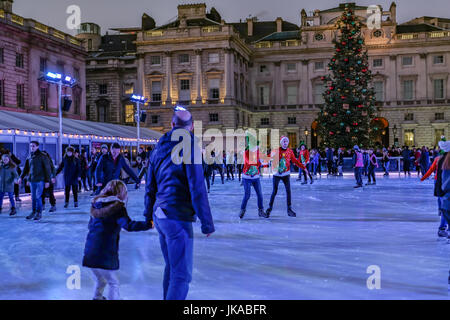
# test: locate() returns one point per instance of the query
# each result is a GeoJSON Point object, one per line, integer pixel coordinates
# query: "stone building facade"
{"type": "Point", "coordinates": [267, 74]}
{"type": "Point", "coordinates": [29, 49]}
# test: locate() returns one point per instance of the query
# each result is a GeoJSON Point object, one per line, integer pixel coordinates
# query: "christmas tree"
{"type": "Point", "coordinates": [344, 119]}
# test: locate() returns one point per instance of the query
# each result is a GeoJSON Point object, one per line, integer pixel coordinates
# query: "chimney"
{"type": "Point", "coordinates": [6, 5]}
{"type": "Point", "coordinates": [250, 27]}
{"type": "Point", "coordinates": [393, 10]}
{"type": "Point", "coordinates": [279, 24]}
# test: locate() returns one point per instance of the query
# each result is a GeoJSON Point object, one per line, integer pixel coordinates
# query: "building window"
{"type": "Point", "coordinates": [185, 90]}
{"type": "Point", "coordinates": [291, 67]}
{"type": "Point", "coordinates": [2, 55]}
{"type": "Point", "coordinates": [103, 89]}
{"type": "Point", "coordinates": [409, 116]}
{"type": "Point", "coordinates": [20, 95]}
{"type": "Point", "coordinates": [265, 121]}
{"type": "Point", "coordinates": [214, 91]}
{"type": "Point", "coordinates": [129, 113]}
{"type": "Point", "coordinates": [155, 60]}
{"type": "Point", "coordinates": [89, 44]}
{"type": "Point", "coordinates": [292, 120]}
{"type": "Point", "coordinates": [407, 61]}
{"type": "Point", "coordinates": [102, 115]}
{"type": "Point", "coordinates": [213, 57]}
{"type": "Point", "coordinates": [2, 92]}
{"type": "Point", "coordinates": [155, 119]}
{"type": "Point", "coordinates": [319, 37]}
{"type": "Point", "coordinates": [318, 93]}
{"type": "Point", "coordinates": [409, 137]}
{"type": "Point", "coordinates": [19, 60]}
{"type": "Point", "coordinates": [438, 133]}
{"type": "Point", "coordinates": [183, 58]}
{"type": "Point", "coordinates": [43, 65]}
{"type": "Point", "coordinates": [263, 95]}
{"type": "Point", "coordinates": [44, 99]}
{"type": "Point", "coordinates": [438, 88]}
{"type": "Point", "coordinates": [439, 116]}
{"type": "Point", "coordinates": [213, 117]}
{"type": "Point", "coordinates": [377, 63]}
{"type": "Point", "coordinates": [156, 91]}
{"type": "Point", "coordinates": [128, 88]}
{"type": "Point", "coordinates": [378, 87]}
{"type": "Point", "coordinates": [438, 59]}
{"type": "Point", "coordinates": [291, 95]}
{"type": "Point", "coordinates": [292, 140]}
{"type": "Point", "coordinates": [262, 68]}
{"type": "Point", "coordinates": [318, 65]}
{"type": "Point", "coordinates": [408, 90]}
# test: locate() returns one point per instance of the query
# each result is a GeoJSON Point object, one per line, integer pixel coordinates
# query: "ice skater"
{"type": "Point", "coordinates": [444, 167]}
{"type": "Point", "coordinates": [72, 175]}
{"type": "Point", "coordinates": [372, 164]}
{"type": "Point", "coordinates": [281, 163]}
{"type": "Point", "coordinates": [358, 164]}
{"type": "Point", "coordinates": [436, 167]}
{"type": "Point", "coordinates": [101, 254]}
{"type": "Point", "coordinates": [253, 160]}
{"type": "Point", "coordinates": [8, 177]}
{"type": "Point", "coordinates": [304, 158]}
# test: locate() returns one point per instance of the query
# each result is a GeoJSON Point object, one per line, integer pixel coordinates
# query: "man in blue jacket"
{"type": "Point", "coordinates": [175, 195]}
{"type": "Point", "coordinates": [109, 167]}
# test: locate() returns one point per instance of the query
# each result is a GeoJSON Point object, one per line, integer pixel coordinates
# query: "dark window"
{"type": "Point", "coordinates": [156, 91]}
{"type": "Point", "coordinates": [20, 94]}
{"type": "Point", "coordinates": [2, 55]}
{"type": "Point", "coordinates": [264, 121]}
{"type": "Point", "coordinates": [184, 85]}
{"type": "Point", "coordinates": [213, 117]}
{"type": "Point", "coordinates": [2, 92]}
{"type": "Point", "coordinates": [155, 60]}
{"type": "Point", "coordinates": [155, 119]}
{"type": "Point", "coordinates": [439, 116]}
{"type": "Point", "coordinates": [44, 99]}
{"type": "Point", "coordinates": [43, 65]}
{"type": "Point", "coordinates": [103, 89]}
{"type": "Point", "coordinates": [183, 58]}
{"type": "Point", "coordinates": [19, 60]}
{"type": "Point", "coordinates": [292, 120]}
{"type": "Point", "coordinates": [377, 62]}
{"type": "Point", "coordinates": [262, 68]}
{"type": "Point", "coordinates": [409, 116]}
{"type": "Point", "coordinates": [215, 94]}
{"type": "Point", "coordinates": [89, 44]}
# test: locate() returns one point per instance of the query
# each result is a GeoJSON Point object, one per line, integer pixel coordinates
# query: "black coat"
{"type": "Point", "coordinates": [37, 168]}
{"type": "Point", "coordinates": [72, 170]}
{"type": "Point", "coordinates": [108, 216]}
{"type": "Point", "coordinates": [108, 169]}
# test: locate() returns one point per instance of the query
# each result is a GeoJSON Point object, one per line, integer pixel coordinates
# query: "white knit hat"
{"type": "Point", "coordinates": [444, 145]}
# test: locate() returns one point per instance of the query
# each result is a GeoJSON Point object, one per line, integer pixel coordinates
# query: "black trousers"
{"type": "Point", "coordinates": [287, 184]}
{"type": "Point", "coordinates": [406, 166]}
{"type": "Point", "coordinates": [220, 168]}
{"type": "Point", "coordinates": [371, 174]}
{"type": "Point", "coordinates": [48, 193]}
{"type": "Point", "coordinates": [208, 172]}
{"type": "Point", "coordinates": [240, 167]}
{"type": "Point", "coordinates": [230, 171]}
{"type": "Point", "coordinates": [74, 192]}
{"type": "Point", "coordinates": [330, 166]}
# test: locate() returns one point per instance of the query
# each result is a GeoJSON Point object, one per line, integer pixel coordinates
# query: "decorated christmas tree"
{"type": "Point", "coordinates": [344, 119]}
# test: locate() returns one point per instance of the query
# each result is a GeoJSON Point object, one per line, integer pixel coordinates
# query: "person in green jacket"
{"type": "Point", "coordinates": [8, 176]}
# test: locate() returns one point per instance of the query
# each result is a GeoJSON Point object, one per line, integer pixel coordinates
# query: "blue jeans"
{"type": "Point", "coordinates": [443, 224]}
{"type": "Point", "coordinates": [177, 245]}
{"type": "Point", "coordinates": [37, 189]}
{"type": "Point", "coordinates": [11, 199]}
{"type": "Point", "coordinates": [248, 183]}
{"type": "Point", "coordinates": [358, 176]}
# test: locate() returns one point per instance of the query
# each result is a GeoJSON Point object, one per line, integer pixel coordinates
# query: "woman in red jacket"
{"type": "Point", "coordinates": [281, 164]}
{"type": "Point", "coordinates": [303, 157]}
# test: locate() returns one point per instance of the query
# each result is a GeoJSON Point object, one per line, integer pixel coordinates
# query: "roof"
{"type": "Point", "coordinates": [342, 7]}
{"type": "Point", "coordinates": [39, 123]}
{"type": "Point", "coordinates": [200, 22]}
{"type": "Point", "coordinates": [413, 28]}
{"type": "Point", "coordinates": [118, 42]}
{"type": "Point", "coordinates": [262, 29]}
{"type": "Point", "coordinates": [282, 36]}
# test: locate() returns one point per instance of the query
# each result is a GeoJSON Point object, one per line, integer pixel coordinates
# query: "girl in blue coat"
{"type": "Point", "coordinates": [101, 254]}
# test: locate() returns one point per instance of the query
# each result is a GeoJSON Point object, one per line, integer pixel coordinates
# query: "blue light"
{"type": "Point", "coordinates": [137, 98]}
{"type": "Point", "coordinates": [55, 76]}
{"type": "Point", "coordinates": [179, 108]}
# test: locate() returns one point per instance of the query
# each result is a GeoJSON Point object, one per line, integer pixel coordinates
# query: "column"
{"type": "Point", "coordinates": [198, 74]}
{"type": "Point", "coordinates": [140, 86]}
{"type": "Point", "coordinates": [277, 88]}
{"type": "Point", "coordinates": [227, 75]}
{"type": "Point", "coordinates": [168, 77]}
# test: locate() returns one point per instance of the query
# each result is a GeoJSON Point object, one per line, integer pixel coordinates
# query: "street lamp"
{"type": "Point", "coordinates": [306, 135]}
{"type": "Point", "coordinates": [66, 81]}
{"type": "Point", "coordinates": [138, 100]}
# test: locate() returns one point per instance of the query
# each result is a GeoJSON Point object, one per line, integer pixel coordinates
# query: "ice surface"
{"type": "Point", "coordinates": [322, 254]}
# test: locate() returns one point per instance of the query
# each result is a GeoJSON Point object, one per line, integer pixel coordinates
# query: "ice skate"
{"type": "Point", "coordinates": [267, 213]}
{"type": "Point", "coordinates": [242, 213]}
{"type": "Point", "coordinates": [52, 209]}
{"type": "Point", "coordinates": [66, 205]}
{"type": "Point", "coordinates": [291, 212]}
{"type": "Point", "coordinates": [75, 204]}
{"type": "Point", "coordinates": [38, 216]}
{"type": "Point", "coordinates": [442, 233]}
{"type": "Point", "coordinates": [262, 214]}
{"type": "Point", "coordinates": [18, 199]}
{"type": "Point", "coordinates": [13, 212]}
{"type": "Point", "coordinates": [312, 181]}
{"type": "Point", "coordinates": [31, 216]}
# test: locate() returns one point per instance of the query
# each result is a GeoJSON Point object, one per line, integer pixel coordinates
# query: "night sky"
{"type": "Point", "coordinates": [128, 13]}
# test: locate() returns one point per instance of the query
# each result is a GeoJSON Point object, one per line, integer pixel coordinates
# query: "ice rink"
{"type": "Point", "coordinates": [324, 253]}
